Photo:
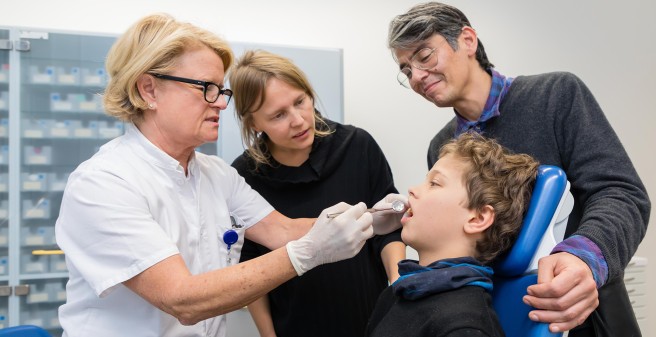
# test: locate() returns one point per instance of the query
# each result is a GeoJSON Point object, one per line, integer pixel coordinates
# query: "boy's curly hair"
{"type": "Point", "coordinates": [499, 178]}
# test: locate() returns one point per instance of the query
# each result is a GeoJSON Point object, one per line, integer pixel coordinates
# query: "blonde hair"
{"type": "Point", "coordinates": [494, 176]}
{"type": "Point", "coordinates": [152, 44]}
{"type": "Point", "coordinates": [248, 80]}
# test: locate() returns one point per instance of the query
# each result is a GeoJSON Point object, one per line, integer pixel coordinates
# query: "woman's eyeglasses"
{"type": "Point", "coordinates": [211, 91]}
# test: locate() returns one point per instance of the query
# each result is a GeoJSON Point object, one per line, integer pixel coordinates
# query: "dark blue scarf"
{"type": "Point", "coordinates": [417, 281]}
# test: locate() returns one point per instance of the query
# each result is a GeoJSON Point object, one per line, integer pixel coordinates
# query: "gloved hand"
{"type": "Point", "coordinates": [388, 221]}
{"type": "Point", "coordinates": [331, 240]}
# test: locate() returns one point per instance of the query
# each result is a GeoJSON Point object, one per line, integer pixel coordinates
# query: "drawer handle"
{"type": "Point", "coordinates": [629, 279]}
{"type": "Point", "coordinates": [22, 289]}
{"type": "Point", "coordinates": [47, 252]}
{"type": "Point", "coordinates": [5, 290]}
{"type": "Point", "coordinates": [630, 291]}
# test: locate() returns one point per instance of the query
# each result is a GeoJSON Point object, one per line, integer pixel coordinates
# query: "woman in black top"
{"type": "Point", "coordinates": [301, 163]}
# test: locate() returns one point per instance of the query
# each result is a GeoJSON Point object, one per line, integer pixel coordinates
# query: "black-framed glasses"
{"type": "Point", "coordinates": [211, 91]}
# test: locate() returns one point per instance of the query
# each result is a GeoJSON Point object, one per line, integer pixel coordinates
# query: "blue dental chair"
{"type": "Point", "coordinates": [24, 331]}
{"type": "Point", "coordinates": [543, 227]}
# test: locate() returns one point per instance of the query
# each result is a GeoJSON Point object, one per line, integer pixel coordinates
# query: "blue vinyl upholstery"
{"type": "Point", "coordinates": [24, 331]}
{"type": "Point", "coordinates": [543, 227]}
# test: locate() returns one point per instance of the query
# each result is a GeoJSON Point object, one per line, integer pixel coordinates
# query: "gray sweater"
{"type": "Point", "coordinates": [556, 119]}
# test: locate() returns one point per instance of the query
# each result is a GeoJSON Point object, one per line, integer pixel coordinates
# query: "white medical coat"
{"type": "Point", "coordinates": [129, 207]}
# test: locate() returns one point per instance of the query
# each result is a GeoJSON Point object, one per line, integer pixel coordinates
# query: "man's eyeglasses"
{"type": "Point", "coordinates": [211, 91]}
{"type": "Point", "coordinates": [423, 59]}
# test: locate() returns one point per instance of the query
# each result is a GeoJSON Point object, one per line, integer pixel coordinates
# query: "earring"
{"type": "Point", "coordinates": [151, 105]}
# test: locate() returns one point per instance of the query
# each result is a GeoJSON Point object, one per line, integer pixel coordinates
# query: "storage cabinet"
{"type": "Point", "coordinates": [51, 119]}
{"type": "Point", "coordinates": [4, 179]}
{"type": "Point", "coordinates": [635, 279]}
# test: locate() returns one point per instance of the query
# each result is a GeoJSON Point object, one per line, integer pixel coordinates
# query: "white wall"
{"type": "Point", "coordinates": [610, 45]}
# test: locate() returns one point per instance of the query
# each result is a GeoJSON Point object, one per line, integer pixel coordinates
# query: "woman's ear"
{"type": "Point", "coordinates": [255, 128]}
{"type": "Point", "coordinates": [480, 220]}
{"type": "Point", "coordinates": [146, 86]}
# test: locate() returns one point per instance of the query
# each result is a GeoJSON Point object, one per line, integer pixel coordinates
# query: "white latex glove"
{"type": "Point", "coordinates": [331, 240]}
{"type": "Point", "coordinates": [388, 221]}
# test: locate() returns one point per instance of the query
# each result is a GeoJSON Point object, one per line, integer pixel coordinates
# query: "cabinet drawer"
{"type": "Point", "coordinates": [635, 289]}
{"type": "Point", "coordinates": [640, 313]}
{"type": "Point", "coordinates": [638, 301]}
{"type": "Point", "coordinates": [633, 278]}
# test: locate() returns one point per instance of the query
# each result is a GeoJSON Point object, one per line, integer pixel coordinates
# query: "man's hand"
{"type": "Point", "coordinates": [566, 293]}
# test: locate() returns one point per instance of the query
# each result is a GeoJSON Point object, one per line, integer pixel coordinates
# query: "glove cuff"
{"type": "Point", "coordinates": [299, 261]}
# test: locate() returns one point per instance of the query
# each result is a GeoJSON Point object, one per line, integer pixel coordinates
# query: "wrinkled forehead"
{"type": "Point", "coordinates": [402, 55]}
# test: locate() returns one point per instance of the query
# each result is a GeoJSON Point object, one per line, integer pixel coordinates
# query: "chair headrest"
{"type": "Point", "coordinates": [550, 186]}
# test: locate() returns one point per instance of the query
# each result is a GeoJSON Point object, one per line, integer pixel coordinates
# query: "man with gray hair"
{"type": "Point", "coordinates": [554, 118]}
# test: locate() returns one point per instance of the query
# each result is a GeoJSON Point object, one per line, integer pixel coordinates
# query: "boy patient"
{"type": "Point", "coordinates": [467, 211]}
